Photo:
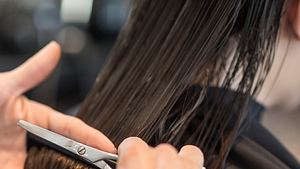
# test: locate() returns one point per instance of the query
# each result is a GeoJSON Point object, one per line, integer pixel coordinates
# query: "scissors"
{"type": "Point", "coordinates": [90, 155]}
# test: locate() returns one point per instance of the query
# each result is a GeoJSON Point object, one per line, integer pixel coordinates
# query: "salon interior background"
{"type": "Point", "coordinates": [86, 30]}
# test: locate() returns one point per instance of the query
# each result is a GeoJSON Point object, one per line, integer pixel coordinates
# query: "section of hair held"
{"type": "Point", "coordinates": [43, 158]}
{"type": "Point", "coordinates": [165, 49]}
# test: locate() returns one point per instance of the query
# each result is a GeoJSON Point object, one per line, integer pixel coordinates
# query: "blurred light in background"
{"type": "Point", "coordinates": [72, 39]}
{"type": "Point", "coordinates": [85, 29]}
{"type": "Point", "coordinates": [76, 11]}
{"type": "Point", "coordinates": [47, 21]}
{"type": "Point", "coordinates": [111, 17]}
{"type": "Point", "coordinates": [30, 4]}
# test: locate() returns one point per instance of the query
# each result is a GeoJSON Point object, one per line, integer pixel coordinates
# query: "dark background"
{"type": "Point", "coordinates": [86, 30]}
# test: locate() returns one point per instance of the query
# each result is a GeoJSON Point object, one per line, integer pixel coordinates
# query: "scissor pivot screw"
{"type": "Point", "coordinates": [81, 150]}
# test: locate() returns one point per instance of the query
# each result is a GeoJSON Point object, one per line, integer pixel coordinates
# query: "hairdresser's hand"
{"type": "Point", "coordinates": [136, 154]}
{"type": "Point", "coordinates": [14, 106]}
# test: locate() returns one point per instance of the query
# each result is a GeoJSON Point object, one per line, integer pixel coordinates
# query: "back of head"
{"type": "Point", "coordinates": [167, 46]}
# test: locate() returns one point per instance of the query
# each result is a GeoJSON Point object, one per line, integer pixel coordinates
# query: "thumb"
{"type": "Point", "coordinates": [36, 69]}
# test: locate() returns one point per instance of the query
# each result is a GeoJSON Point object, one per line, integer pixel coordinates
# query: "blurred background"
{"type": "Point", "coordinates": [86, 30]}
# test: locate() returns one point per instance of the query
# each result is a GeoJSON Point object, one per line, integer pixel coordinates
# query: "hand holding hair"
{"type": "Point", "coordinates": [136, 154]}
{"type": "Point", "coordinates": [14, 106]}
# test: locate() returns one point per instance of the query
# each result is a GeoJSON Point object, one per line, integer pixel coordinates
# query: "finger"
{"type": "Point", "coordinates": [166, 149]}
{"type": "Point", "coordinates": [192, 154]}
{"type": "Point", "coordinates": [132, 144]}
{"type": "Point", "coordinates": [69, 126]}
{"type": "Point", "coordinates": [36, 69]}
{"type": "Point", "coordinates": [134, 153]}
{"type": "Point", "coordinates": [166, 157]}
{"type": "Point", "coordinates": [188, 164]}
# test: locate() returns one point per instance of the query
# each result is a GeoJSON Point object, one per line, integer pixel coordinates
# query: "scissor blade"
{"type": "Point", "coordinates": [89, 154]}
{"type": "Point", "coordinates": [54, 138]}
{"type": "Point", "coordinates": [93, 156]}
{"type": "Point", "coordinates": [59, 140]}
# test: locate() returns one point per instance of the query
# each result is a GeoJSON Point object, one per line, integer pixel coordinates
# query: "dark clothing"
{"type": "Point", "coordinates": [256, 147]}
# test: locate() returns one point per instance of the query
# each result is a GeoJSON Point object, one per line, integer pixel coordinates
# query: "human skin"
{"type": "Point", "coordinates": [281, 84]}
{"type": "Point", "coordinates": [15, 106]}
{"type": "Point", "coordinates": [280, 93]}
{"type": "Point", "coordinates": [134, 153]}
{"type": "Point", "coordinates": [283, 89]}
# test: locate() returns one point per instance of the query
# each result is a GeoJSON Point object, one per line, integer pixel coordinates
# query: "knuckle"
{"type": "Point", "coordinates": [67, 129]}
{"type": "Point", "coordinates": [134, 151]}
{"type": "Point", "coordinates": [135, 156]}
{"type": "Point", "coordinates": [181, 164]}
{"type": "Point", "coordinates": [133, 142]}
{"type": "Point", "coordinates": [165, 161]}
{"type": "Point", "coordinates": [166, 148]}
{"type": "Point", "coordinates": [133, 146]}
{"type": "Point", "coordinates": [132, 139]}
{"type": "Point", "coordinates": [76, 120]}
{"type": "Point", "coordinates": [194, 150]}
{"type": "Point", "coordinates": [88, 139]}
{"type": "Point", "coordinates": [125, 160]}
{"type": "Point", "coordinates": [189, 165]}
{"type": "Point", "coordinates": [141, 161]}
{"type": "Point", "coordinates": [164, 153]}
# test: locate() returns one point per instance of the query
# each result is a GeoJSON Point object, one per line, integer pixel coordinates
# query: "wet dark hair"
{"type": "Point", "coordinates": [47, 158]}
{"type": "Point", "coordinates": [165, 48]}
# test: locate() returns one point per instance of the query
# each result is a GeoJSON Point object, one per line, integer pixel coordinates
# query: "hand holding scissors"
{"type": "Point", "coordinates": [133, 152]}
{"type": "Point", "coordinates": [15, 106]}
